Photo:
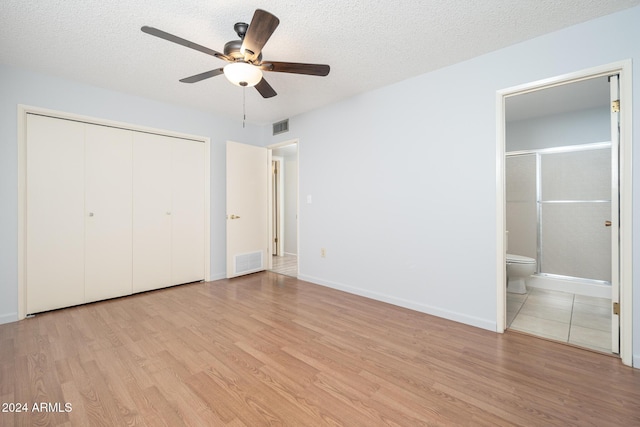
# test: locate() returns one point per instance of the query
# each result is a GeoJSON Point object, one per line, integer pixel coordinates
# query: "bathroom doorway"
{"type": "Point", "coordinates": [284, 208]}
{"type": "Point", "coordinates": [555, 138]}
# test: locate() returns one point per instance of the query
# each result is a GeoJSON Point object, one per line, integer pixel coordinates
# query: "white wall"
{"type": "Point", "coordinates": [403, 178]}
{"type": "Point", "coordinates": [559, 130]}
{"type": "Point", "coordinates": [19, 86]}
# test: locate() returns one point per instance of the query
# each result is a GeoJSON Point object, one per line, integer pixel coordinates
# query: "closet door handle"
{"type": "Point", "coordinates": [607, 223]}
{"type": "Point", "coordinates": [90, 213]}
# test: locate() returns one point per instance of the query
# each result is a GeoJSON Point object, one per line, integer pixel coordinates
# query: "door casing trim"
{"type": "Point", "coordinates": [623, 68]}
{"type": "Point", "coordinates": [270, 149]}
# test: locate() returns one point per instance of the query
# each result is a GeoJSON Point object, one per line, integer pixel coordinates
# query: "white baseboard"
{"type": "Point", "coordinates": [216, 276]}
{"type": "Point", "coordinates": [423, 308]}
{"type": "Point", "coordinates": [8, 318]}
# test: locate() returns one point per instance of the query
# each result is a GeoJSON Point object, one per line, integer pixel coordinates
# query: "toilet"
{"type": "Point", "coordinates": [519, 269]}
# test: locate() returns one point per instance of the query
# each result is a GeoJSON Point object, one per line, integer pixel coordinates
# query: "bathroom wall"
{"type": "Point", "coordinates": [559, 130]}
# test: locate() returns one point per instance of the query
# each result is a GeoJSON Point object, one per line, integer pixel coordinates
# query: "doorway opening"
{"type": "Point", "coordinates": [283, 208]}
{"type": "Point", "coordinates": [523, 147]}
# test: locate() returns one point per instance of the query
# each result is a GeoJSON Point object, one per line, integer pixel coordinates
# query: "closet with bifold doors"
{"type": "Point", "coordinates": [109, 212]}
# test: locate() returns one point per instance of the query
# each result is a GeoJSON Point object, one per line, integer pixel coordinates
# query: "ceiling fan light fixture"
{"type": "Point", "coordinates": [242, 74]}
{"type": "Point", "coordinates": [245, 55]}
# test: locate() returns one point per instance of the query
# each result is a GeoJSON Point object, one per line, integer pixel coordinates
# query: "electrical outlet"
{"type": "Point", "coordinates": [323, 253]}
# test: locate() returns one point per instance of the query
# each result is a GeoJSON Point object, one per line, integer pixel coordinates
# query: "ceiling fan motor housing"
{"type": "Point", "coordinates": [232, 49]}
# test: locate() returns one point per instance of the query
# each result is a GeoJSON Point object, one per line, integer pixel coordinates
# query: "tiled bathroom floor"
{"type": "Point", "coordinates": [575, 319]}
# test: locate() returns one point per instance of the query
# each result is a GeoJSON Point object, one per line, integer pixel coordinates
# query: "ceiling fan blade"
{"type": "Point", "coordinates": [295, 68]}
{"type": "Point", "coordinates": [262, 25]}
{"type": "Point", "coordinates": [179, 40]}
{"type": "Point", "coordinates": [202, 76]}
{"type": "Point", "coordinates": [265, 89]}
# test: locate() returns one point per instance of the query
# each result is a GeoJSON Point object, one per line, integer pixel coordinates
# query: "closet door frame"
{"type": "Point", "coordinates": [23, 111]}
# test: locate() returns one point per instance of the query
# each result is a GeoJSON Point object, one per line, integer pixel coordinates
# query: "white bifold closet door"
{"type": "Point", "coordinates": [168, 211]}
{"type": "Point", "coordinates": [55, 213]}
{"type": "Point", "coordinates": [110, 212]}
{"type": "Point", "coordinates": [187, 211]}
{"type": "Point", "coordinates": [151, 212]}
{"type": "Point", "coordinates": [108, 204]}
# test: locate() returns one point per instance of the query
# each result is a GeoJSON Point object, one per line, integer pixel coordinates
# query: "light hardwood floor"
{"type": "Point", "coordinates": [270, 349]}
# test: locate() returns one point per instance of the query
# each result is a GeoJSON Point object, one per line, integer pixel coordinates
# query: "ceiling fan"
{"type": "Point", "coordinates": [244, 56]}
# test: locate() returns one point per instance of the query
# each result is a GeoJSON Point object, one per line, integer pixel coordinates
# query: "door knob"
{"type": "Point", "coordinates": [234, 217]}
{"type": "Point", "coordinates": [90, 213]}
{"type": "Point", "coordinates": [607, 223]}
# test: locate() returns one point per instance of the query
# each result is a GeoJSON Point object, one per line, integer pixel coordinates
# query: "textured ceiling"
{"type": "Point", "coordinates": [368, 44]}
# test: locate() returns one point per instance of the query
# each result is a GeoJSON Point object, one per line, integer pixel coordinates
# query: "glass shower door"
{"type": "Point", "coordinates": [574, 206]}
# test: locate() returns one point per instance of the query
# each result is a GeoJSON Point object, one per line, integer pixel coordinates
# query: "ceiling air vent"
{"type": "Point", "coordinates": [281, 127]}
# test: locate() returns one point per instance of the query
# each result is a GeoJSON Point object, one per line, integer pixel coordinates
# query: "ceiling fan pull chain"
{"type": "Point", "coordinates": [244, 106]}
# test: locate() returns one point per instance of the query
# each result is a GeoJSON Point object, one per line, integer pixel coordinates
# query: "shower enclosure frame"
{"type": "Point", "coordinates": [538, 153]}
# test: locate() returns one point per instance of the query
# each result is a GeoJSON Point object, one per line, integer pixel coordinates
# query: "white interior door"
{"type": "Point", "coordinates": [54, 214]}
{"type": "Point", "coordinates": [151, 211]}
{"type": "Point", "coordinates": [108, 203]}
{"type": "Point", "coordinates": [247, 214]}
{"type": "Point", "coordinates": [614, 90]}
